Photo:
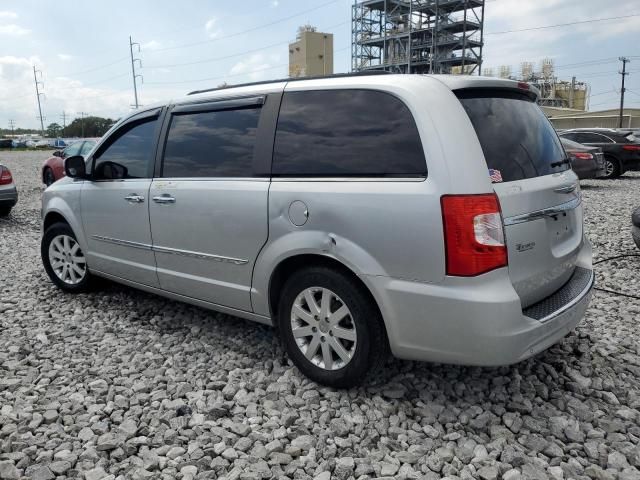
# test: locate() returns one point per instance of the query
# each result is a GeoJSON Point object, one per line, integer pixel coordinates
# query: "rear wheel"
{"type": "Point", "coordinates": [612, 167]}
{"type": "Point", "coordinates": [64, 260]}
{"type": "Point", "coordinates": [48, 176]}
{"type": "Point", "coordinates": [330, 326]}
{"type": "Point", "coordinates": [4, 211]}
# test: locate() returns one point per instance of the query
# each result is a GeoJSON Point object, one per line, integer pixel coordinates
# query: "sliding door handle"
{"type": "Point", "coordinates": [164, 198]}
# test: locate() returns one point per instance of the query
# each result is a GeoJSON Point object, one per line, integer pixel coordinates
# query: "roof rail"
{"type": "Point", "coordinates": [297, 79]}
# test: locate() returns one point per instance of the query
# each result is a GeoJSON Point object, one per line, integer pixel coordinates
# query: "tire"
{"type": "Point", "coordinates": [48, 177]}
{"type": "Point", "coordinates": [611, 167]}
{"type": "Point", "coordinates": [5, 211]}
{"type": "Point", "coordinates": [59, 245]}
{"type": "Point", "coordinates": [362, 336]}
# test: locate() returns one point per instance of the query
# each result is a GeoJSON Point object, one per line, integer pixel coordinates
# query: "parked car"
{"type": "Point", "coordinates": [335, 208]}
{"type": "Point", "coordinates": [5, 143]}
{"type": "Point", "coordinates": [621, 148]}
{"type": "Point", "coordinates": [53, 167]}
{"type": "Point", "coordinates": [586, 162]}
{"type": "Point", "coordinates": [8, 191]}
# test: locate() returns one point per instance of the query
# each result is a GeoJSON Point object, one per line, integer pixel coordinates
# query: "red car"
{"type": "Point", "coordinates": [53, 167]}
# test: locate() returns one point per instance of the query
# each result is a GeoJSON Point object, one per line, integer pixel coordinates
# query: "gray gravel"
{"type": "Point", "coordinates": [121, 384]}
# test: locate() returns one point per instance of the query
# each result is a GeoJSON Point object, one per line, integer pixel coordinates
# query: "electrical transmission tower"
{"type": "Point", "coordinates": [82, 115]}
{"type": "Point", "coordinates": [12, 126]}
{"type": "Point", "coordinates": [624, 73]}
{"type": "Point", "coordinates": [133, 70]}
{"type": "Point", "coordinates": [39, 84]}
{"type": "Point", "coordinates": [64, 121]}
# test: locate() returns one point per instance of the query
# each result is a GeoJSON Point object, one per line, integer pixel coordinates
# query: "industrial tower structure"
{"type": "Point", "coordinates": [417, 36]}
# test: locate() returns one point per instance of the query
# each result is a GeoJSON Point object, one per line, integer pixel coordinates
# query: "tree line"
{"type": "Point", "coordinates": [80, 127]}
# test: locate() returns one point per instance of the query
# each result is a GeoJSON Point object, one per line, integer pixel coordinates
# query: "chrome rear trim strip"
{"type": "Point", "coordinates": [546, 212]}
{"type": "Point", "coordinates": [172, 251]}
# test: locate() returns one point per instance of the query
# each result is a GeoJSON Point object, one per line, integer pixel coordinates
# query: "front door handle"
{"type": "Point", "coordinates": [134, 198]}
{"type": "Point", "coordinates": [566, 188]}
{"type": "Point", "coordinates": [164, 198]}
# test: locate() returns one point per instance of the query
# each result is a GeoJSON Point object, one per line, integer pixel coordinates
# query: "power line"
{"type": "Point", "coordinates": [563, 24]}
{"type": "Point", "coordinates": [246, 52]}
{"type": "Point", "coordinates": [100, 67]}
{"type": "Point", "coordinates": [253, 29]}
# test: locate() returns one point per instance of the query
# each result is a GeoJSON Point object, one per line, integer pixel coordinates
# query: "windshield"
{"type": "Point", "coordinates": [517, 139]}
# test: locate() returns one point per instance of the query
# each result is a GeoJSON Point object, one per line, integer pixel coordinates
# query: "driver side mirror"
{"type": "Point", "coordinates": [74, 167]}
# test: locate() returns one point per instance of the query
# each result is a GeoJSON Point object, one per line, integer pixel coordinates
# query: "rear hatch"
{"type": "Point", "coordinates": [539, 194]}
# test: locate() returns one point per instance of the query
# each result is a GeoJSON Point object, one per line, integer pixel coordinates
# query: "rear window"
{"type": "Point", "coordinates": [517, 139]}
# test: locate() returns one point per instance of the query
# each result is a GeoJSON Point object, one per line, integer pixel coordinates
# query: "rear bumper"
{"type": "Point", "coordinates": [8, 197]}
{"type": "Point", "coordinates": [478, 321]}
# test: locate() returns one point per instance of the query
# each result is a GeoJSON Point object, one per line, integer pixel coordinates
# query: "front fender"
{"type": "Point", "coordinates": [63, 198]}
{"type": "Point", "coordinates": [305, 242]}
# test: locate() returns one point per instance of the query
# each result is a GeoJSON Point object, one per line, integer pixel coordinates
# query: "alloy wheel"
{"type": "Point", "coordinates": [609, 168]}
{"type": "Point", "coordinates": [67, 260]}
{"type": "Point", "coordinates": [323, 328]}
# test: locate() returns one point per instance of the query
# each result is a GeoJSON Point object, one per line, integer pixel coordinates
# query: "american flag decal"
{"type": "Point", "coordinates": [495, 175]}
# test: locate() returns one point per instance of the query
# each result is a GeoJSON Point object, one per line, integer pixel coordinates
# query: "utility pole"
{"type": "Point", "coordinates": [64, 121]}
{"type": "Point", "coordinates": [82, 115]}
{"type": "Point", "coordinates": [38, 93]}
{"type": "Point", "coordinates": [133, 69]}
{"type": "Point", "coordinates": [12, 125]}
{"type": "Point", "coordinates": [624, 73]}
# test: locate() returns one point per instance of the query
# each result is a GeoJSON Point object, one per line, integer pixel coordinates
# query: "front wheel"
{"type": "Point", "coordinates": [64, 260]}
{"type": "Point", "coordinates": [48, 177]}
{"type": "Point", "coordinates": [330, 327]}
{"type": "Point", "coordinates": [5, 211]}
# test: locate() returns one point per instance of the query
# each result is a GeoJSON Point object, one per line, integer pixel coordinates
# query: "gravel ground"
{"type": "Point", "coordinates": [121, 384]}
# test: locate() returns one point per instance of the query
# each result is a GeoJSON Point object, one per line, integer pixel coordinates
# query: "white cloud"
{"type": "Point", "coordinates": [6, 14]}
{"type": "Point", "coordinates": [64, 57]}
{"type": "Point", "coordinates": [13, 30]}
{"type": "Point", "coordinates": [255, 68]}
{"type": "Point", "coordinates": [151, 45]}
{"type": "Point", "coordinates": [210, 27]}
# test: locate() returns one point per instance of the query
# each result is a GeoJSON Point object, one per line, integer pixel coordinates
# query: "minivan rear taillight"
{"type": "Point", "coordinates": [5, 176]}
{"type": "Point", "coordinates": [473, 234]}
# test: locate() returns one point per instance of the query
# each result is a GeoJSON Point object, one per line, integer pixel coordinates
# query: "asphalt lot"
{"type": "Point", "coordinates": [123, 384]}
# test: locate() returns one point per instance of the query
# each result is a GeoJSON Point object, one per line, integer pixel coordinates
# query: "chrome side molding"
{"type": "Point", "coordinates": [172, 251]}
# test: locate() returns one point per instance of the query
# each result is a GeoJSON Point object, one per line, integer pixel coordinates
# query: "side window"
{"type": "Point", "coordinates": [86, 148]}
{"type": "Point", "coordinates": [72, 150]}
{"type": "Point", "coordinates": [346, 133]}
{"type": "Point", "coordinates": [570, 136]}
{"type": "Point", "coordinates": [127, 153]}
{"type": "Point", "coordinates": [211, 144]}
{"type": "Point", "coordinates": [601, 138]}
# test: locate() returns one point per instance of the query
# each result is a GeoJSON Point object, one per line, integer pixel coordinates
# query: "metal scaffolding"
{"type": "Point", "coordinates": [417, 36]}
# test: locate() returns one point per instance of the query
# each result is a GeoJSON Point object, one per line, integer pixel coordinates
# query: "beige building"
{"type": "Point", "coordinates": [564, 118]}
{"type": "Point", "coordinates": [311, 54]}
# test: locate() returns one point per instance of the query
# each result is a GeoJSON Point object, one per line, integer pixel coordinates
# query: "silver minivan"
{"type": "Point", "coordinates": [433, 216]}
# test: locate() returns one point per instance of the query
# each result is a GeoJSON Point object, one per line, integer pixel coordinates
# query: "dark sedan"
{"type": "Point", "coordinates": [620, 147]}
{"type": "Point", "coordinates": [586, 162]}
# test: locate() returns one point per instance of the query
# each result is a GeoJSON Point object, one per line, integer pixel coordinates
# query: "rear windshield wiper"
{"type": "Point", "coordinates": [560, 163]}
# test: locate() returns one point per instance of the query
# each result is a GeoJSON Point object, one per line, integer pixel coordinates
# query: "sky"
{"type": "Point", "coordinates": [81, 48]}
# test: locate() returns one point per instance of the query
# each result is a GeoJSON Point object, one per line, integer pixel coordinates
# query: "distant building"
{"type": "Point", "coordinates": [311, 54]}
{"type": "Point", "coordinates": [564, 118]}
{"type": "Point", "coordinates": [557, 93]}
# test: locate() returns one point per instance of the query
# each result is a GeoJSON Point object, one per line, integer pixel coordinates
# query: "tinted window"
{"type": "Point", "coordinates": [128, 152]}
{"type": "Point", "coordinates": [516, 137]}
{"type": "Point", "coordinates": [72, 150]}
{"type": "Point", "coordinates": [211, 144]}
{"type": "Point", "coordinates": [346, 133]}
